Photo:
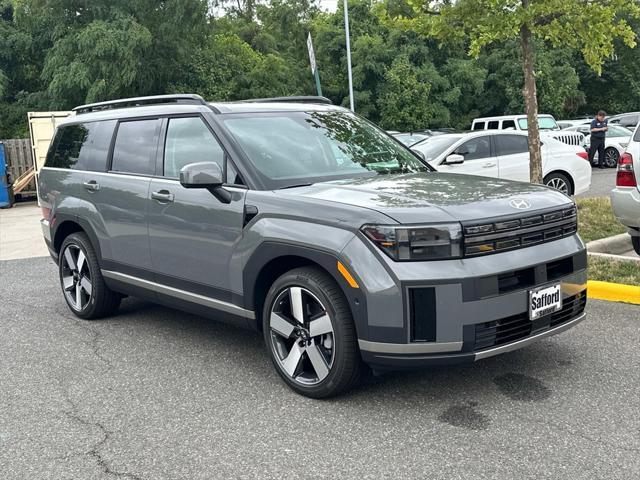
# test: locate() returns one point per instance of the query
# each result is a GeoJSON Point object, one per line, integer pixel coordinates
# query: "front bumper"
{"type": "Point", "coordinates": [383, 356]}
{"type": "Point", "coordinates": [425, 313]}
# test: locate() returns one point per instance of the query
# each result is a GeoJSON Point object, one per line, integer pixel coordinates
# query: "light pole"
{"type": "Point", "coordinates": [346, 30]}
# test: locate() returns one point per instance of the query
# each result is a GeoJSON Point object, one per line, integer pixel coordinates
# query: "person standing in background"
{"type": "Point", "coordinates": [598, 132]}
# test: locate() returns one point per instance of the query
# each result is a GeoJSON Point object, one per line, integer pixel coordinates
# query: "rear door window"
{"type": "Point", "coordinates": [134, 150]}
{"type": "Point", "coordinates": [510, 144]}
{"type": "Point", "coordinates": [478, 126]}
{"type": "Point", "coordinates": [493, 125]}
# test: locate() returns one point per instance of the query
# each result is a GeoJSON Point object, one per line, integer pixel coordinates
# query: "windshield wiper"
{"type": "Point", "coordinates": [295, 186]}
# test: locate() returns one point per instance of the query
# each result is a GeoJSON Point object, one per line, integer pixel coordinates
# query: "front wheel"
{"type": "Point", "coordinates": [559, 181]}
{"type": "Point", "coordinates": [310, 334]}
{"type": "Point", "coordinates": [611, 156]}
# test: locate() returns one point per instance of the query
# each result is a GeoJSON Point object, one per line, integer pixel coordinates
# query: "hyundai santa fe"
{"type": "Point", "coordinates": [303, 221]}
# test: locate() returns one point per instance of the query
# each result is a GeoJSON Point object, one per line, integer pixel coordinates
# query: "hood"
{"type": "Point", "coordinates": [434, 197]}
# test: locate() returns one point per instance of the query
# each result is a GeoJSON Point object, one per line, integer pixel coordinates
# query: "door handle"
{"type": "Point", "coordinates": [488, 165]}
{"type": "Point", "coordinates": [163, 196]}
{"type": "Point", "coordinates": [92, 185]}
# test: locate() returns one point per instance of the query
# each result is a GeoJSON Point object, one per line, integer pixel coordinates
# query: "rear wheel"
{"type": "Point", "coordinates": [559, 181]}
{"type": "Point", "coordinates": [82, 284]}
{"type": "Point", "coordinates": [310, 334]}
{"type": "Point", "coordinates": [635, 241]}
{"type": "Point", "coordinates": [611, 156]}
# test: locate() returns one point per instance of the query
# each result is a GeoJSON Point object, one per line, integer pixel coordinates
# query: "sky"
{"type": "Point", "coordinates": [329, 5]}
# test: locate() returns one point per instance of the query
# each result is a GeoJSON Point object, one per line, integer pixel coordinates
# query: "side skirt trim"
{"type": "Point", "coordinates": [181, 294]}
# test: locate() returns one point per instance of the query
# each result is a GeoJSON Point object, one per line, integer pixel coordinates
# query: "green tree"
{"type": "Point", "coordinates": [589, 27]}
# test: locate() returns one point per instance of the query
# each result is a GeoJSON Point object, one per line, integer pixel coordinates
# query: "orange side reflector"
{"type": "Point", "coordinates": [347, 276]}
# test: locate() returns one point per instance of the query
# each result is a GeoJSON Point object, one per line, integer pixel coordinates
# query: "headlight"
{"type": "Point", "coordinates": [419, 242]}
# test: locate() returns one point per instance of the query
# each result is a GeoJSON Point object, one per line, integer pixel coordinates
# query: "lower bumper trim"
{"type": "Point", "coordinates": [385, 360]}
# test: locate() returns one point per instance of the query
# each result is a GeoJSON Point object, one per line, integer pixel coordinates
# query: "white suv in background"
{"type": "Point", "coordinates": [547, 124]}
{"type": "Point", "coordinates": [505, 154]}
{"type": "Point", "coordinates": [625, 198]}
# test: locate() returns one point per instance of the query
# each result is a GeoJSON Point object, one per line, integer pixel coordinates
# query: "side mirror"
{"type": "Point", "coordinates": [454, 159]}
{"type": "Point", "coordinates": [205, 175]}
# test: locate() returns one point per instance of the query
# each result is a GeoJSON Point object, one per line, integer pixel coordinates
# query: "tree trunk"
{"type": "Point", "coordinates": [531, 102]}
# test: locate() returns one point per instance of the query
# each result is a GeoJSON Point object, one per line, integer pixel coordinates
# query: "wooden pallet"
{"type": "Point", "coordinates": [23, 181]}
{"type": "Point", "coordinates": [19, 161]}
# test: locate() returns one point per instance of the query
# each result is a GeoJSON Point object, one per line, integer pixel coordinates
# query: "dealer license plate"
{"type": "Point", "coordinates": [544, 301]}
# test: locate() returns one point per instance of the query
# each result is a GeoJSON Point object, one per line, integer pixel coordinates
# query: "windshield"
{"type": "Point", "coordinates": [435, 146]}
{"type": "Point", "coordinates": [544, 123]}
{"type": "Point", "coordinates": [617, 131]}
{"type": "Point", "coordinates": [296, 148]}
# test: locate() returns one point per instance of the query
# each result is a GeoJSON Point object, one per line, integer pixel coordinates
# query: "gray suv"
{"type": "Point", "coordinates": [302, 220]}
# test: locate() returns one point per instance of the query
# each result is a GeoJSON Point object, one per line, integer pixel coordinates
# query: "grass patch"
{"type": "Point", "coordinates": [596, 220]}
{"type": "Point", "coordinates": [608, 270]}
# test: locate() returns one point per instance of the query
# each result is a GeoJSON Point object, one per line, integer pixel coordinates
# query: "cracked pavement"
{"type": "Point", "coordinates": [155, 394]}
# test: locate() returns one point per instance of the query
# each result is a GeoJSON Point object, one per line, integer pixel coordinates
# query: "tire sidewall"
{"type": "Point", "coordinates": [635, 241]}
{"type": "Point", "coordinates": [293, 279]}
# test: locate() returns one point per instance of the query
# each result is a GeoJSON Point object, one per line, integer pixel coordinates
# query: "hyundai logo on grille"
{"type": "Point", "coordinates": [520, 203]}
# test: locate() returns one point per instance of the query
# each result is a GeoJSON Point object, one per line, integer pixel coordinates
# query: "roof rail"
{"type": "Point", "coordinates": [139, 101]}
{"type": "Point", "coordinates": [293, 99]}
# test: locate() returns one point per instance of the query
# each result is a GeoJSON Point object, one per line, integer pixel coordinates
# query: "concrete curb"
{"type": "Point", "coordinates": [612, 245]}
{"type": "Point", "coordinates": [613, 292]}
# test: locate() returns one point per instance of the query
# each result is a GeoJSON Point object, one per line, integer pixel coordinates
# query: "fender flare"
{"type": "Point", "coordinates": [61, 218]}
{"type": "Point", "coordinates": [271, 250]}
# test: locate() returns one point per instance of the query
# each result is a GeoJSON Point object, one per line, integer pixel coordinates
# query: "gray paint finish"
{"type": "Point", "coordinates": [189, 236]}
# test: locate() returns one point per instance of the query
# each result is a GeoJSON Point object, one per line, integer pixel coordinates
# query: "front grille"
{"type": "Point", "coordinates": [517, 327]}
{"type": "Point", "coordinates": [570, 138]}
{"type": "Point", "coordinates": [509, 234]}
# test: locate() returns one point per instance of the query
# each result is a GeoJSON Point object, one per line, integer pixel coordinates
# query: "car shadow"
{"type": "Point", "coordinates": [515, 376]}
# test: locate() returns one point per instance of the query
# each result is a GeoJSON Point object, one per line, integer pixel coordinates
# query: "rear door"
{"type": "Point", "coordinates": [191, 233]}
{"type": "Point", "coordinates": [512, 152]}
{"type": "Point", "coordinates": [478, 158]}
{"type": "Point", "coordinates": [119, 197]}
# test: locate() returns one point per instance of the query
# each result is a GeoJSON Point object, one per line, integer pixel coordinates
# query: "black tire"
{"type": "Point", "coordinates": [101, 300]}
{"type": "Point", "coordinates": [555, 178]}
{"type": "Point", "coordinates": [611, 156]}
{"type": "Point", "coordinates": [635, 241]}
{"type": "Point", "coordinates": [347, 367]}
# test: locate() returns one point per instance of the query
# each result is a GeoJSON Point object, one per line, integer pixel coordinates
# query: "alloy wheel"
{"type": "Point", "coordinates": [76, 277]}
{"type": "Point", "coordinates": [611, 157]}
{"type": "Point", "coordinates": [558, 184]}
{"type": "Point", "coordinates": [302, 336]}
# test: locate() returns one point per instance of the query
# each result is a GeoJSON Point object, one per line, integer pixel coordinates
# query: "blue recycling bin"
{"type": "Point", "coordinates": [4, 180]}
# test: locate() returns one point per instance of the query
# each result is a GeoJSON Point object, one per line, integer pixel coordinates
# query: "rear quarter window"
{"type": "Point", "coordinates": [81, 146]}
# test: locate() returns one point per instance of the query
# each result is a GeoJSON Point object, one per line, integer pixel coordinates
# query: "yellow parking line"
{"type": "Point", "coordinates": [614, 292]}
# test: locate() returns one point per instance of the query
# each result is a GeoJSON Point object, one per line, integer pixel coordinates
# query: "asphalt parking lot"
{"type": "Point", "coordinates": [157, 394]}
{"type": "Point", "coordinates": [602, 182]}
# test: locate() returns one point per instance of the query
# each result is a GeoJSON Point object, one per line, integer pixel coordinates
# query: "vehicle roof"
{"type": "Point", "coordinates": [623, 114]}
{"type": "Point", "coordinates": [510, 117]}
{"type": "Point", "coordinates": [204, 107]}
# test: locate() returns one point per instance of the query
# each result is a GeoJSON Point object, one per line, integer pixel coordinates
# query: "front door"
{"type": "Point", "coordinates": [191, 233]}
{"type": "Point", "coordinates": [478, 158]}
